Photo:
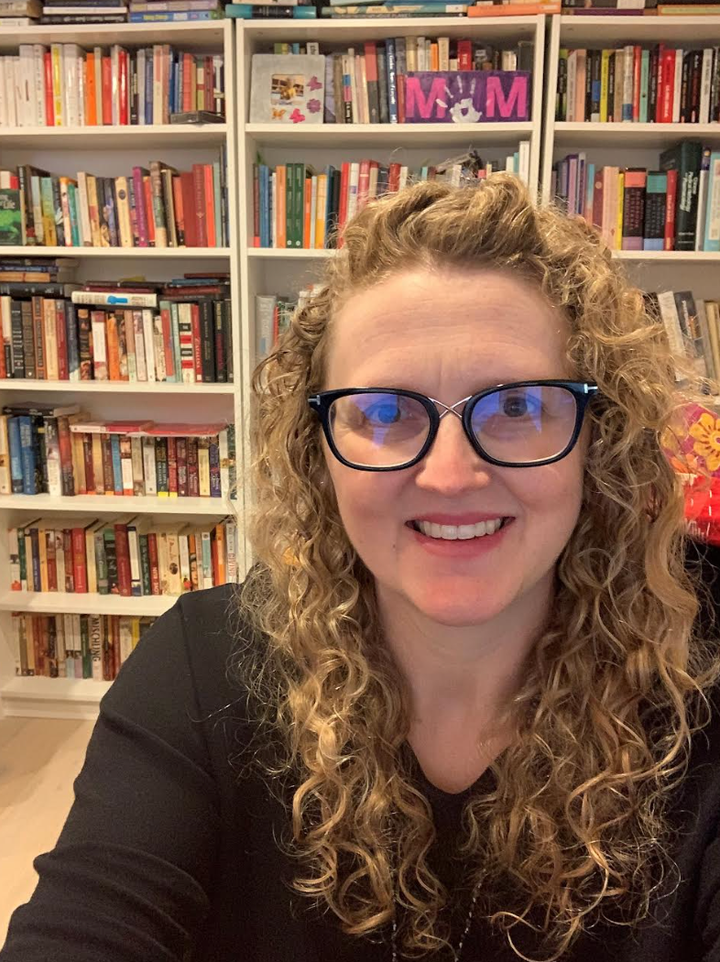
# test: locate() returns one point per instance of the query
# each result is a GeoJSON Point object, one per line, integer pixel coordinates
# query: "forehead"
{"type": "Point", "coordinates": [425, 327]}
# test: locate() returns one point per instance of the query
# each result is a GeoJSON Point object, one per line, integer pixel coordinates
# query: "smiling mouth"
{"type": "Point", "coordinates": [462, 532]}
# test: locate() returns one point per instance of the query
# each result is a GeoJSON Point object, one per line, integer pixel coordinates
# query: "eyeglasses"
{"type": "Point", "coordinates": [519, 425]}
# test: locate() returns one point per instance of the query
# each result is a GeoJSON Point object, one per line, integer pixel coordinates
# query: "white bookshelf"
{"type": "Point", "coordinates": [632, 144]}
{"type": "Point", "coordinates": [111, 151]}
{"type": "Point", "coordinates": [273, 271]}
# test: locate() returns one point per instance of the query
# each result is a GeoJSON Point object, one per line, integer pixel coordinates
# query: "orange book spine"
{"type": "Point", "coordinates": [90, 93]}
{"type": "Point", "coordinates": [281, 222]}
{"type": "Point", "coordinates": [113, 347]}
{"type": "Point", "coordinates": [221, 565]}
{"type": "Point", "coordinates": [308, 212]}
{"type": "Point", "coordinates": [209, 205]}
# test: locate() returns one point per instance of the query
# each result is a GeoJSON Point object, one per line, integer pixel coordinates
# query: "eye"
{"type": "Point", "coordinates": [518, 406]}
{"type": "Point", "coordinates": [384, 412]}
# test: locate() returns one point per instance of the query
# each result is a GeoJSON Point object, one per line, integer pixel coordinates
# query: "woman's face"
{"type": "Point", "coordinates": [449, 334]}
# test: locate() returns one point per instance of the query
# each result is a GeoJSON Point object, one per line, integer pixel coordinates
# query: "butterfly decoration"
{"type": "Point", "coordinates": [297, 116]}
{"type": "Point", "coordinates": [278, 113]}
{"type": "Point", "coordinates": [314, 83]}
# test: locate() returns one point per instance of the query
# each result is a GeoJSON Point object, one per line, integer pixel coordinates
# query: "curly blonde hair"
{"type": "Point", "coordinates": [616, 685]}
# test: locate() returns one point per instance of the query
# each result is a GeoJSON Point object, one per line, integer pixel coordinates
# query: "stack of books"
{"type": "Point", "coordinates": [19, 13]}
{"type": "Point", "coordinates": [438, 8]}
{"type": "Point", "coordinates": [640, 8]}
{"type": "Point", "coordinates": [169, 11]}
{"type": "Point", "coordinates": [269, 9]}
{"type": "Point", "coordinates": [83, 11]}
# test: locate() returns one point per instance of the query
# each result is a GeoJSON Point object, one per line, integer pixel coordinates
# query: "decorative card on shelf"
{"type": "Point", "coordinates": [467, 96]}
{"type": "Point", "coordinates": [10, 217]}
{"type": "Point", "coordinates": [287, 88]}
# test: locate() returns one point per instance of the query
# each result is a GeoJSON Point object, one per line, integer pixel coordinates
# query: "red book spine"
{"type": "Point", "coordinates": [49, 101]}
{"type": "Point", "coordinates": [140, 209]}
{"type": "Point", "coordinates": [256, 206]}
{"type": "Point", "coordinates": [153, 558]}
{"type": "Point", "coordinates": [79, 561]}
{"type": "Point", "coordinates": [198, 173]}
{"type": "Point", "coordinates": [122, 550]}
{"type": "Point", "coordinates": [88, 460]}
{"type": "Point", "coordinates": [672, 179]}
{"type": "Point", "coordinates": [197, 340]}
{"type": "Point", "coordinates": [123, 87]}
{"type": "Point", "coordinates": [150, 220]}
{"type": "Point", "coordinates": [668, 84]}
{"type": "Point", "coordinates": [189, 219]}
{"type": "Point", "coordinates": [167, 342]}
{"type": "Point", "coordinates": [67, 554]}
{"type": "Point", "coordinates": [637, 74]}
{"type": "Point", "coordinates": [51, 561]}
{"type": "Point", "coordinates": [187, 63]}
{"type": "Point", "coordinates": [464, 50]}
{"type": "Point", "coordinates": [107, 90]}
{"type": "Point", "coordinates": [344, 178]}
{"type": "Point", "coordinates": [210, 212]}
{"type": "Point", "coordinates": [60, 334]}
{"type": "Point", "coordinates": [172, 467]}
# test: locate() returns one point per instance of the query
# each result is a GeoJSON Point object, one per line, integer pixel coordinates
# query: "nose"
{"type": "Point", "coordinates": [452, 465]}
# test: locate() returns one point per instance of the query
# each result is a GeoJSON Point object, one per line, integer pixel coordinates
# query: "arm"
{"type": "Point", "coordinates": [130, 876]}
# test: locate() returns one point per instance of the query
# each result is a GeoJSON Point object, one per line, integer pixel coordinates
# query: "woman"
{"type": "Point", "coordinates": [464, 706]}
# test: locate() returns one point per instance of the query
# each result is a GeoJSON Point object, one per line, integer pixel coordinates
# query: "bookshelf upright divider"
{"type": "Point", "coordinates": [111, 151]}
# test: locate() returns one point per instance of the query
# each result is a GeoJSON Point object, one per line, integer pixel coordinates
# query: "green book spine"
{"type": "Point", "coordinates": [74, 222]}
{"type": "Point", "coordinates": [298, 203]}
{"type": "Point", "coordinates": [85, 646]}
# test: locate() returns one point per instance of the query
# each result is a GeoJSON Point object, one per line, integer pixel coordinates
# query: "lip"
{"type": "Point", "coordinates": [460, 549]}
{"type": "Point", "coordinates": [458, 519]}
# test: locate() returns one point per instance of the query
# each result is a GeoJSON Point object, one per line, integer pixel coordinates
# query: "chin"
{"type": "Point", "coordinates": [461, 612]}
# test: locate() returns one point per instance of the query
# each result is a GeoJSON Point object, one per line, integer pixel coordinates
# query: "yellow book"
{"type": "Point", "coordinates": [51, 347]}
{"type": "Point", "coordinates": [204, 467]}
{"type": "Point", "coordinates": [320, 212]}
{"type": "Point", "coordinates": [56, 58]}
{"type": "Point", "coordinates": [604, 73]}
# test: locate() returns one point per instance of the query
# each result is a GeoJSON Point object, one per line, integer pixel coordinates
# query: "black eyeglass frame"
{"type": "Point", "coordinates": [582, 391]}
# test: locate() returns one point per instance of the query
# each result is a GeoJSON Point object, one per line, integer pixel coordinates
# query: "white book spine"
{"type": "Point", "coordinates": [157, 84]}
{"type": "Point", "coordinates": [69, 79]}
{"type": "Point", "coordinates": [147, 322]}
{"type": "Point", "coordinates": [3, 94]}
{"type": "Point", "coordinates": [525, 161]}
{"type": "Point", "coordinates": [115, 83]}
{"type": "Point", "coordinates": [313, 208]}
{"type": "Point", "coordinates": [141, 58]}
{"type": "Point", "coordinates": [353, 188]}
{"type": "Point", "coordinates": [26, 107]}
{"type": "Point", "coordinates": [99, 347]}
{"type": "Point", "coordinates": [628, 63]}
{"type": "Point", "coordinates": [81, 93]}
{"type": "Point", "coordinates": [84, 210]}
{"type": "Point", "coordinates": [39, 84]}
{"type": "Point", "coordinates": [134, 552]}
{"type": "Point", "coordinates": [571, 85]}
{"type": "Point", "coordinates": [705, 85]}
{"type": "Point", "coordinates": [669, 315]}
{"type": "Point", "coordinates": [11, 66]}
{"type": "Point", "coordinates": [678, 85]}
{"type": "Point", "coordinates": [704, 176]}
{"type": "Point", "coordinates": [96, 642]}
{"type": "Point", "coordinates": [713, 203]}
{"type": "Point", "coordinates": [149, 466]}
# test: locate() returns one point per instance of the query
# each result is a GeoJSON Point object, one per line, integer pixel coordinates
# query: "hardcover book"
{"type": "Point", "coordinates": [287, 88]}
{"type": "Point", "coordinates": [10, 217]}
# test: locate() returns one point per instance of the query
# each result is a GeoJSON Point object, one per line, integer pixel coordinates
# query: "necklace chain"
{"type": "Point", "coordinates": [468, 923]}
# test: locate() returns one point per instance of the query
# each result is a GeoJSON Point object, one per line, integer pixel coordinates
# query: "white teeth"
{"type": "Point", "coordinates": [463, 532]}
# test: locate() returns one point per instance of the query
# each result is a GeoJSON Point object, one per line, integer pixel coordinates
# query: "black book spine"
{"type": "Point", "coordinates": [28, 342]}
{"type": "Point", "coordinates": [695, 84]}
{"type": "Point", "coordinates": [220, 357]}
{"type": "Point", "coordinates": [561, 96]}
{"type": "Point", "coordinates": [18, 353]}
{"type": "Point", "coordinates": [227, 339]}
{"type": "Point", "coordinates": [653, 86]}
{"type": "Point", "coordinates": [685, 89]}
{"type": "Point", "coordinates": [207, 339]}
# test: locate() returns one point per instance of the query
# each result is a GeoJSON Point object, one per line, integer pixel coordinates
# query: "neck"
{"type": "Point", "coordinates": [463, 674]}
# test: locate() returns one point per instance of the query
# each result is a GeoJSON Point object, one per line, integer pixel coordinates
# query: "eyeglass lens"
{"type": "Point", "coordinates": [517, 425]}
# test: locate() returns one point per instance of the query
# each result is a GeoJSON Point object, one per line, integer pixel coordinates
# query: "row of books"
{"type": "Point", "coordinates": [67, 86]}
{"type": "Point", "coordinates": [155, 207]}
{"type": "Point", "coordinates": [132, 556]}
{"type": "Point", "coordinates": [273, 313]}
{"type": "Point", "coordinates": [183, 336]}
{"type": "Point", "coordinates": [154, 11]}
{"type": "Point", "coordinates": [74, 645]}
{"type": "Point", "coordinates": [674, 208]}
{"type": "Point", "coordinates": [60, 451]}
{"type": "Point", "coordinates": [371, 85]}
{"type": "Point", "coordinates": [693, 328]}
{"type": "Point", "coordinates": [632, 8]}
{"type": "Point", "coordinates": [295, 206]}
{"type": "Point", "coordinates": [635, 84]}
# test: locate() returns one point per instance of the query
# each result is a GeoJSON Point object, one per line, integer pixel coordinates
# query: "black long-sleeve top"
{"type": "Point", "coordinates": [167, 857]}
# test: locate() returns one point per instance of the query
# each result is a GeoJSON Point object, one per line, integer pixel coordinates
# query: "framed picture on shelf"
{"type": "Point", "coordinates": [287, 89]}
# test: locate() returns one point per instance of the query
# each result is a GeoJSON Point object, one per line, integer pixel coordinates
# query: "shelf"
{"type": "Point", "coordinates": [329, 30]}
{"type": "Point", "coordinates": [114, 387]}
{"type": "Point", "coordinates": [576, 31]}
{"type": "Point", "coordinates": [633, 135]}
{"type": "Point", "coordinates": [159, 253]}
{"type": "Point", "coordinates": [196, 35]}
{"type": "Point", "coordinates": [141, 135]}
{"type": "Point", "coordinates": [278, 253]}
{"type": "Point", "coordinates": [406, 135]}
{"type": "Point", "coordinates": [114, 504]}
{"type": "Point", "coordinates": [63, 602]}
{"type": "Point", "coordinates": [52, 697]}
{"type": "Point", "coordinates": [670, 257]}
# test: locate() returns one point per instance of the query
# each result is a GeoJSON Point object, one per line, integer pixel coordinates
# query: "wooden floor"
{"type": "Point", "coordinates": [39, 761]}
